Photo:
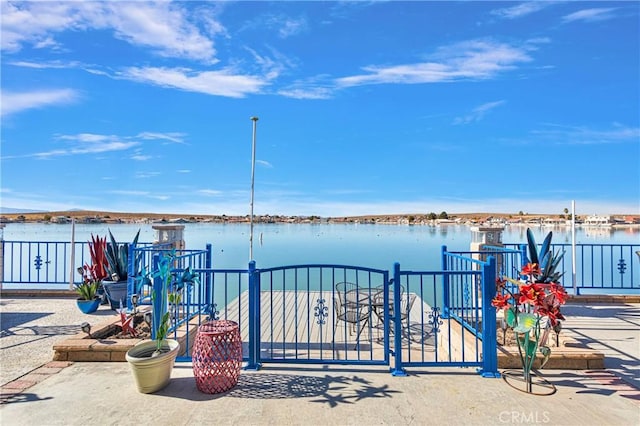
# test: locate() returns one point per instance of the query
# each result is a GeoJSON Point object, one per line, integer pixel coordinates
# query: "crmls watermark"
{"type": "Point", "coordinates": [524, 417]}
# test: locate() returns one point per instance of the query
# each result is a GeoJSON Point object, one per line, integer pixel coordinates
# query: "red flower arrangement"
{"type": "Point", "coordinates": [532, 307]}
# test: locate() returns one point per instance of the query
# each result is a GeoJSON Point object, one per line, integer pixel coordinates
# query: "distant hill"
{"type": "Point", "coordinates": [11, 210]}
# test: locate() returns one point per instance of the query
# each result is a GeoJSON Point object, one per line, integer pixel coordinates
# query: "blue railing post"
{"type": "Point", "coordinates": [208, 291]}
{"type": "Point", "coordinates": [1, 255]}
{"type": "Point", "coordinates": [524, 259]}
{"type": "Point", "coordinates": [159, 306]}
{"type": "Point", "coordinates": [489, 336]}
{"type": "Point", "coordinates": [254, 318]}
{"type": "Point", "coordinates": [397, 323]}
{"type": "Point", "coordinates": [131, 283]}
{"type": "Point", "coordinates": [445, 283]}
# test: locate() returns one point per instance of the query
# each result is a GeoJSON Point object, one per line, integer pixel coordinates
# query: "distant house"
{"type": "Point", "coordinates": [92, 219]}
{"type": "Point", "coordinates": [598, 220]}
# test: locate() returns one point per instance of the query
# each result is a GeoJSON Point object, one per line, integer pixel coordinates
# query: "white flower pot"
{"type": "Point", "coordinates": [152, 373]}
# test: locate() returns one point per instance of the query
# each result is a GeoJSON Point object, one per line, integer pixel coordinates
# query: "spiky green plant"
{"type": "Point", "coordinates": [172, 285]}
{"type": "Point", "coordinates": [545, 258]}
{"type": "Point", "coordinates": [117, 256]}
{"type": "Point", "coordinates": [87, 290]}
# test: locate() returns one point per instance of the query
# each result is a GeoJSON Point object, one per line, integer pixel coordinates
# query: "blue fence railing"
{"type": "Point", "coordinates": [337, 314]}
{"type": "Point", "coordinates": [43, 264]}
{"type": "Point", "coordinates": [599, 268]}
{"type": "Point", "coordinates": [459, 321]}
{"type": "Point", "coordinates": [327, 313]}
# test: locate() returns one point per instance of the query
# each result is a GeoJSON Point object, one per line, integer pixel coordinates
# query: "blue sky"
{"type": "Point", "coordinates": [364, 107]}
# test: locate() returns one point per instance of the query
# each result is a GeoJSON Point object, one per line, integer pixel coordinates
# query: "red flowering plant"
{"type": "Point", "coordinates": [531, 306]}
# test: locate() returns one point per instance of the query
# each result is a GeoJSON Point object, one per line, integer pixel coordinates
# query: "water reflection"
{"type": "Point", "coordinates": [376, 246]}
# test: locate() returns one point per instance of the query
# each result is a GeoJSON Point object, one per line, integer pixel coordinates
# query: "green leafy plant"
{"type": "Point", "coordinates": [173, 284]}
{"type": "Point", "coordinates": [117, 256]}
{"type": "Point", "coordinates": [545, 258]}
{"type": "Point", "coordinates": [88, 288]}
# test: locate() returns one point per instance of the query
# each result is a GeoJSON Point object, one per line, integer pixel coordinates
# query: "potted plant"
{"type": "Point", "coordinates": [151, 361]}
{"type": "Point", "coordinates": [88, 300]}
{"type": "Point", "coordinates": [531, 307]}
{"type": "Point", "coordinates": [117, 264]}
{"type": "Point", "coordinates": [97, 249]}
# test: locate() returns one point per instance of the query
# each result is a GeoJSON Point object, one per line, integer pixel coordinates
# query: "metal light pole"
{"type": "Point", "coordinates": [573, 247]}
{"type": "Point", "coordinates": [253, 172]}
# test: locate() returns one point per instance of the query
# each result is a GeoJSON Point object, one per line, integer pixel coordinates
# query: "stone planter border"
{"type": "Point", "coordinates": [81, 348]}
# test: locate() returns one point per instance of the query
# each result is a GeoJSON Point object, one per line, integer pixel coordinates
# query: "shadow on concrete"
{"type": "Point", "coordinates": [329, 389]}
{"type": "Point", "coordinates": [10, 320]}
{"type": "Point", "coordinates": [17, 397]}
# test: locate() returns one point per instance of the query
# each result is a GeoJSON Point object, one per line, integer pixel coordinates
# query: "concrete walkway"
{"type": "Point", "coordinates": [104, 393]}
{"type": "Point", "coordinates": [30, 327]}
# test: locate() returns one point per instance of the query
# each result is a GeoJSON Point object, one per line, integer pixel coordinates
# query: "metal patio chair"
{"type": "Point", "coordinates": [352, 306]}
{"type": "Point", "coordinates": [406, 303]}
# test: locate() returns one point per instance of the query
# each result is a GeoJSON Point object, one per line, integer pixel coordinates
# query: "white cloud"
{"type": "Point", "coordinates": [209, 192]}
{"type": "Point", "coordinates": [271, 67]}
{"type": "Point", "coordinates": [216, 83]}
{"type": "Point", "coordinates": [317, 87]}
{"type": "Point", "coordinates": [175, 137]}
{"type": "Point", "coordinates": [17, 102]}
{"type": "Point", "coordinates": [478, 113]}
{"type": "Point", "coordinates": [129, 192]}
{"type": "Point", "coordinates": [31, 22]}
{"type": "Point", "coordinates": [87, 137]}
{"type": "Point", "coordinates": [141, 157]}
{"type": "Point", "coordinates": [87, 143]}
{"type": "Point", "coordinates": [81, 149]}
{"type": "Point", "coordinates": [46, 64]}
{"type": "Point", "coordinates": [284, 25]}
{"type": "Point", "coordinates": [307, 93]}
{"type": "Point", "coordinates": [160, 197]}
{"type": "Point", "coordinates": [588, 136]}
{"type": "Point", "coordinates": [165, 27]}
{"type": "Point", "coordinates": [522, 9]}
{"type": "Point", "coordinates": [590, 15]}
{"type": "Point", "coordinates": [291, 26]}
{"type": "Point", "coordinates": [264, 163]}
{"type": "Point", "coordinates": [91, 143]}
{"type": "Point", "coordinates": [146, 175]}
{"type": "Point", "coordinates": [475, 59]}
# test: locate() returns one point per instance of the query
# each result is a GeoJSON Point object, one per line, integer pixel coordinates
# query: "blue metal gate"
{"type": "Point", "coordinates": [321, 314]}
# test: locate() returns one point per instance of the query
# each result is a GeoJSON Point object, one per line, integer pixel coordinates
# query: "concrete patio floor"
{"type": "Point", "coordinates": [104, 393]}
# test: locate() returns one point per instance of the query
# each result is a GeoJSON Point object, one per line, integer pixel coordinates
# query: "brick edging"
{"type": "Point", "coordinates": [12, 390]}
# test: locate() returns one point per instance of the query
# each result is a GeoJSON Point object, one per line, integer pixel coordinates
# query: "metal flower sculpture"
{"type": "Point", "coordinates": [531, 306]}
{"type": "Point", "coordinates": [172, 283]}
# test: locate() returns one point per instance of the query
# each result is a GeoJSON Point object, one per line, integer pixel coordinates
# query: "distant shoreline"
{"type": "Point", "coordinates": [97, 217]}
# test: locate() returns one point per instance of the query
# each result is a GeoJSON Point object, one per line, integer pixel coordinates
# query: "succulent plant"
{"type": "Point", "coordinates": [88, 288]}
{"type": "Point", "coordinates": [117, 256]}
{"type": "Point", "coordinates": [97, 248]}
{"type": "Point", "coordinates": [545, 259]}
{"type": "Point", "coordinates": [172, 285]}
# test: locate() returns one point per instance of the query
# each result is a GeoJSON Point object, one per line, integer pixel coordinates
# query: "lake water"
{"type": "Point", "coordinates": [375, 246]}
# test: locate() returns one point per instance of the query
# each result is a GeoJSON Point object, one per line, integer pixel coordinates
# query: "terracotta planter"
{"type": "Point", "coordinates": [152, 373]}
